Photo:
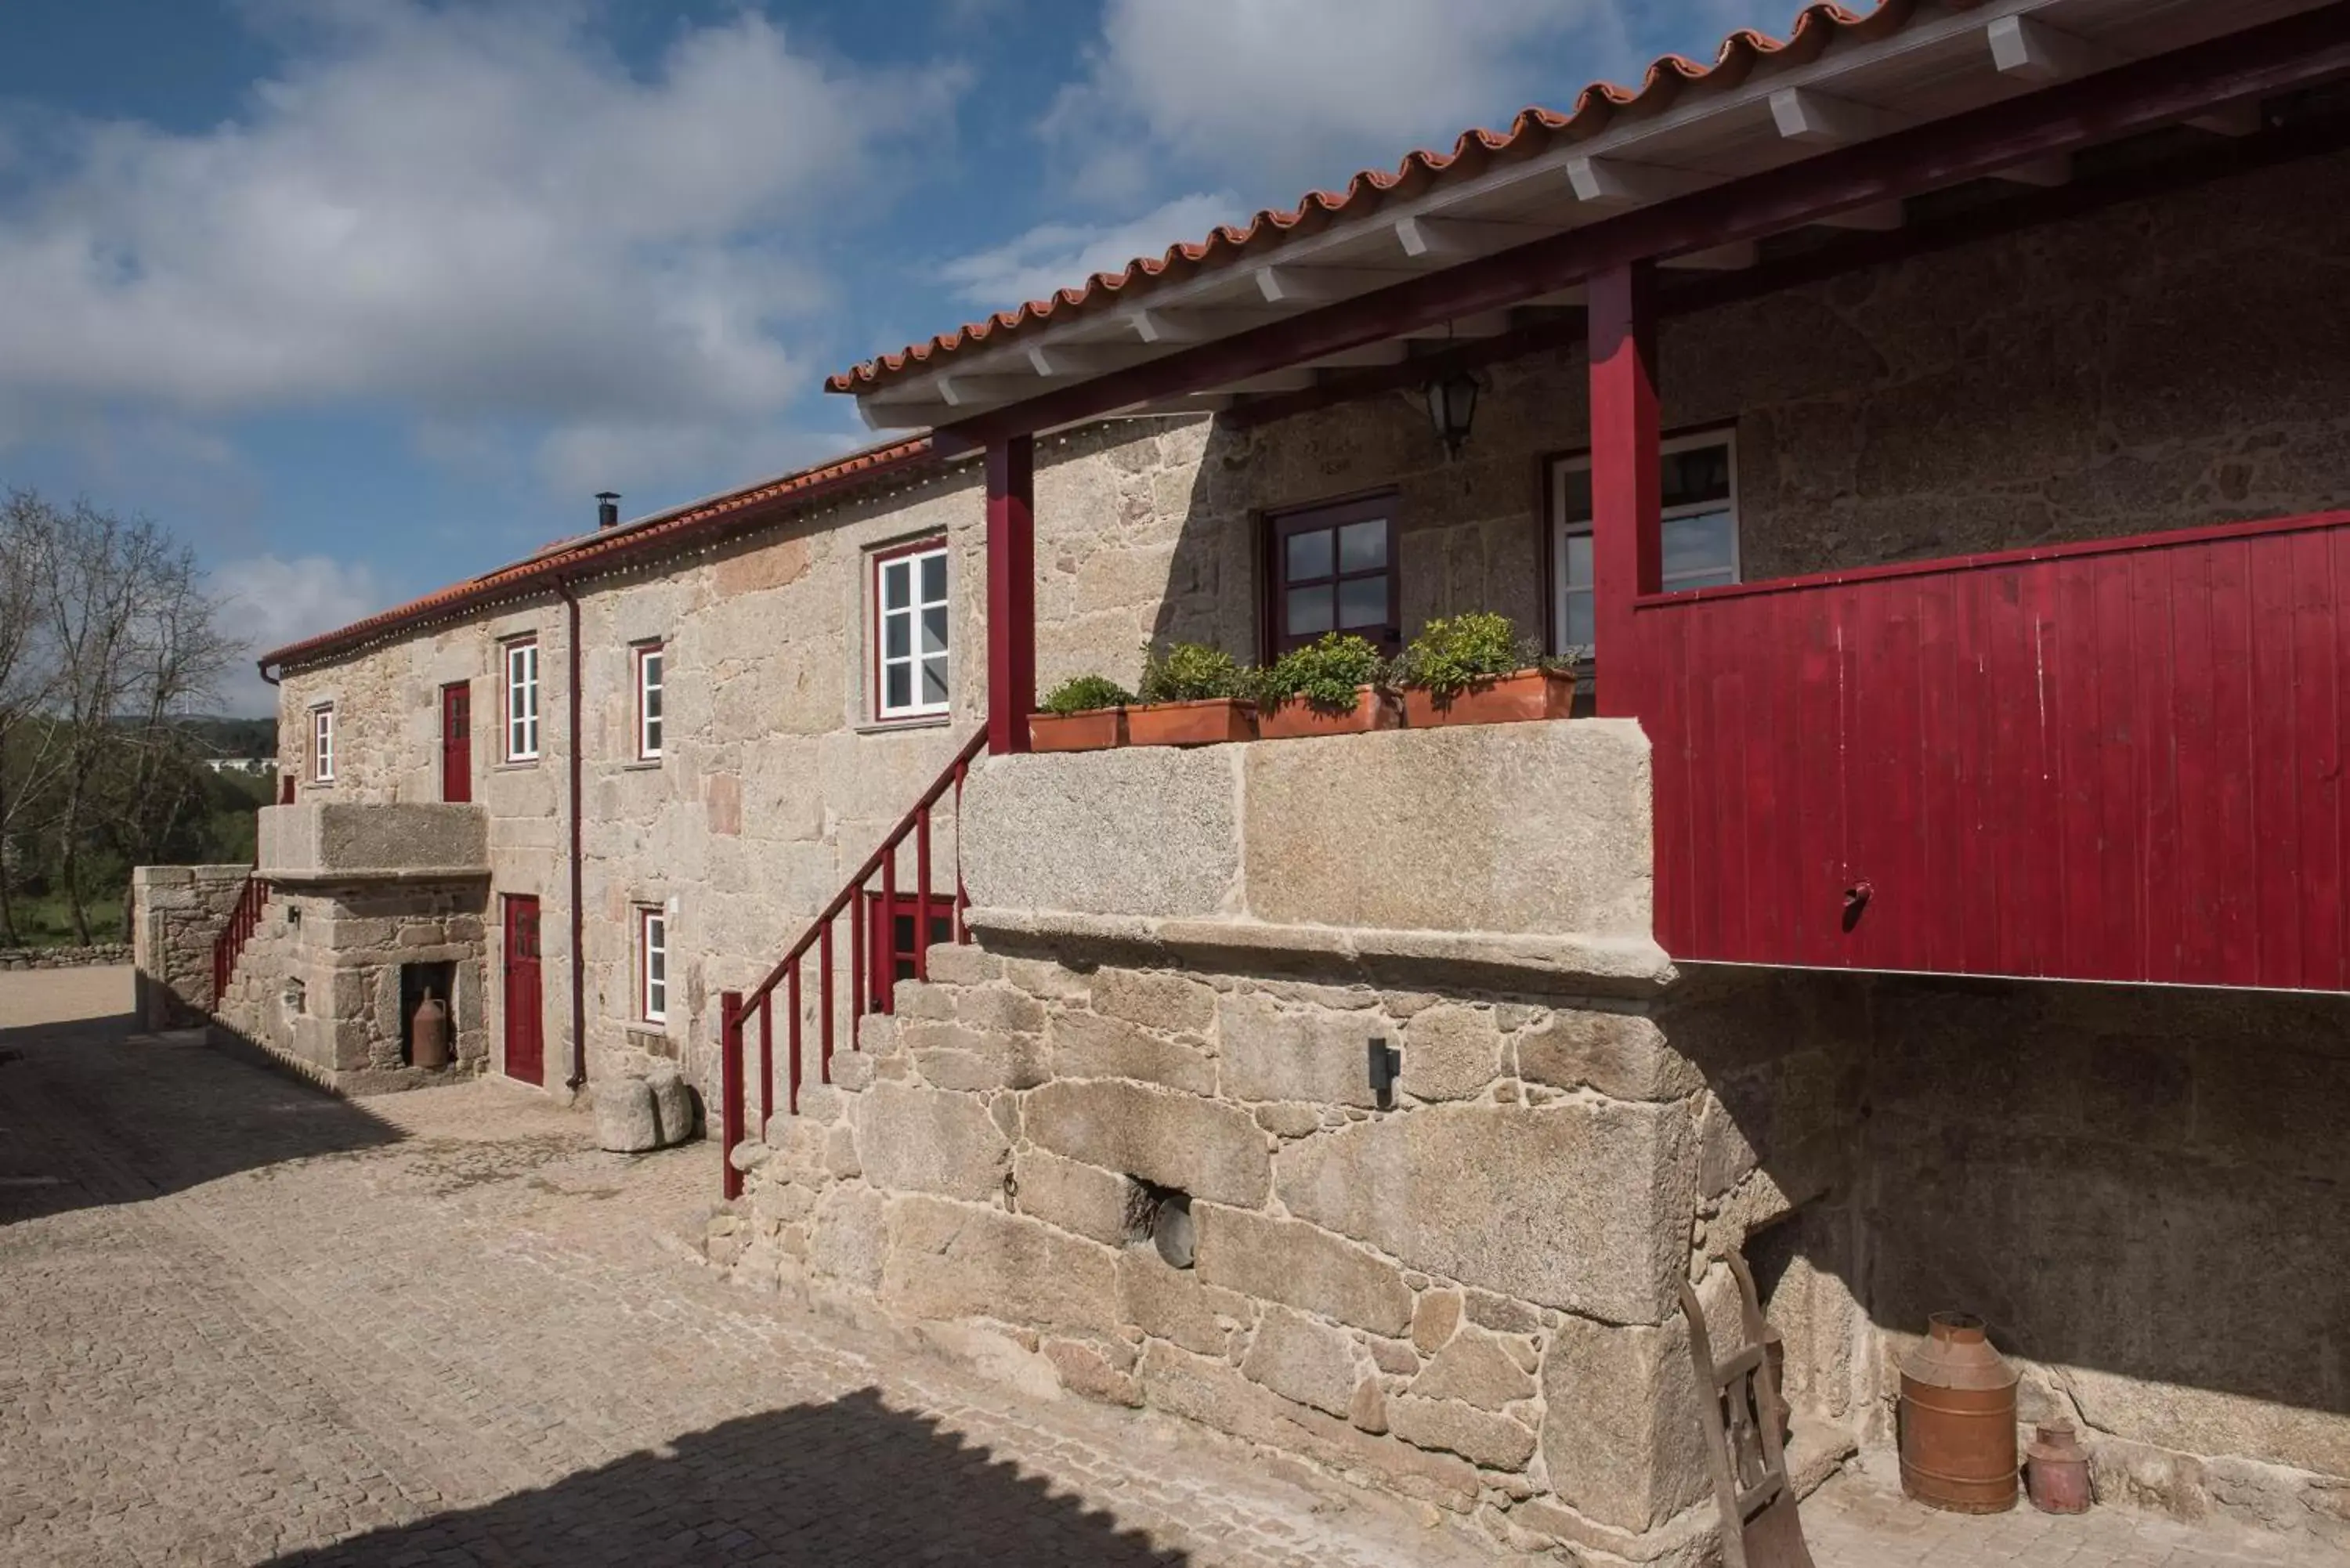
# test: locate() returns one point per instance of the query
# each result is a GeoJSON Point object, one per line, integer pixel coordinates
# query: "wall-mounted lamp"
{"type": "Point", "coordinates": [1452, 409]}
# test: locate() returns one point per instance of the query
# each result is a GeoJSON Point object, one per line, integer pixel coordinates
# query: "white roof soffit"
{"type": "Point", "coordinates": [1945, 62]}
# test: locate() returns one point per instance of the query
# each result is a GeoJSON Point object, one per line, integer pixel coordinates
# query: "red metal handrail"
{"type": "Point", "coordinates": [737, 1008]}
{"type": "Point", "coordinates": [229, 946]}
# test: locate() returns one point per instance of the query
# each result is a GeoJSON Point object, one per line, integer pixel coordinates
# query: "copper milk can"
{"type": "Point", "coordinates": [1958, 1419]}
{"type": "Point", "coordinates": [428, 1034]}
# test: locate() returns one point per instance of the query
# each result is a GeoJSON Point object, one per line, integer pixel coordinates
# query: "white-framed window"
{"type": "Point", "coordinates": [1701, 531]}
{"type": "Point", "coordinates": [648, 701]}
{"type": "Point", "coordinates": [652, 964]}
{"type": "Point", "coordinates": [522, 701]}
{"type": "Point", "coordinates": [910, 630]}
{"type": "Point", "coordinates": [322, 743]}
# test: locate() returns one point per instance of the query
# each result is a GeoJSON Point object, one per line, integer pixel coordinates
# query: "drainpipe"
{"type": "Point", "coordinates": [579, 915]}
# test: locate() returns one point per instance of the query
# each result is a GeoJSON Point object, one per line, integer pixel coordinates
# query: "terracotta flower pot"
{"type": "Point", "coordinates": [1504, 700]}
{"type": "Point", "coordinates": [1203, 723]}
{"type": "Point", "coordinates": [1093, 730]}
{"type": "Point", "coordinates": [1374, 709]}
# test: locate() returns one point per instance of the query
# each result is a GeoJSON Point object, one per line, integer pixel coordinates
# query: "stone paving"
{"type": "Point", "coordinates": [241, 1322]}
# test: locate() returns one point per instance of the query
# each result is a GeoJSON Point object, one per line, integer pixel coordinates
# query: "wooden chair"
{"type": "Point", "coordinates": [1739, 1404]}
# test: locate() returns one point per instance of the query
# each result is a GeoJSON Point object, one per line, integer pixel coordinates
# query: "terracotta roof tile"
{"type": "Point", "coordinates": [605, 551]}
{"type": "Point", "coordinates": [1534, 131]}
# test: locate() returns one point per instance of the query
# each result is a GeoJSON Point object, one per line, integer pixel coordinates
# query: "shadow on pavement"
{"type": "Point", "coordinates": [92, 1113]}
{"type": "Point", "coordinates": [838, 1485]}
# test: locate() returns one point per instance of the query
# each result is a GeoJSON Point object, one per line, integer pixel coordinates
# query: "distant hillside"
{"type": "Point", "coordinates": [224, 737]}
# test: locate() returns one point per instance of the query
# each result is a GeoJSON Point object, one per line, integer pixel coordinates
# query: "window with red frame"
{"type": "Point", "coordinates": [910, 612]}
{"type": "Point", "coordinates": [650, 660]}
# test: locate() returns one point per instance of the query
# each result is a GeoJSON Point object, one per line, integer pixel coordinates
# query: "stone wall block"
{"type": "Point", "coordinates": [1143, 830]}
{"type": "Point", "coordinates": [1435, 1319]}
{"type": "Point", "coordinates": [850, 1237]}
{"type": "Point", "coordinates": [1085, 1045]}
{"type": "Point", "coordinates": [1082, 1198]}
{"type": "Point", "coordinates": [1174, 1304]}
{"type": "Point", "coordinates": [1477, 1368]}
{"type": "Point", "coordinates": [1301, 1359]}
{"type": "Point", "coordinates": [949, 1259]}
{"type": "Point", "coordinates": [1287, 1262]}
{"type": "Point", "coordinates": [1157, 999]}
{"type": "Point", "coordinates": [1272, 1053]}
{"type": "Point", "coordinates": [965, 963]}
{"type": "Point", "coordinates": [1207, 1148]}
{"type": "Point", "coordinates": [1577, 1206]}
{"type": "Point", "coordinates": [1450, 1053]}
{"type": "Point", "coordinates": [1620, 1438]}
{"type": "Point", "coordinates": [1089, 1368]}
{"type": "Point", "coordinates": [1495, 1442]}
{"type": "Point", "coordinates": [926, 1140]}
{"type": "Point", "coordinates": [1621, 1053]}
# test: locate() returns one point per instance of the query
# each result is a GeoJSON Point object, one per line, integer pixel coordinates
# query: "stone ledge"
{"type": "Point", "coordinates": [1625, 966]}
{"type": "Point", "coordinates": [401, 875]}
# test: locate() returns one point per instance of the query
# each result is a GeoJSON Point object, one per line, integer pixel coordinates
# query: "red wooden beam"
{"type": "Point", "coordinates": [2141, 95]}
{"type": "Point", "coordinates": [1626, 527]}
{"type": "Point", "coordinates": [1011, 591]}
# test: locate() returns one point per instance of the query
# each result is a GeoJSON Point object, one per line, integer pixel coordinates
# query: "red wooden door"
{"type": "Point", "coordinates": [890, 935]}
{"type": "Point", "coordinates": [457, 742]}
{"type": "Point", "coordinates": [525, 1048]}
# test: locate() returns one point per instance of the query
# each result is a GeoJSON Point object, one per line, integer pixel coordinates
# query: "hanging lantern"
{"type": "Point", "coordinates": [1452, 407]}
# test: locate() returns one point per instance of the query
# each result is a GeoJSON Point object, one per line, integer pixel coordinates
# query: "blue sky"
{"type": "Point", "coordinates": [362, 296]}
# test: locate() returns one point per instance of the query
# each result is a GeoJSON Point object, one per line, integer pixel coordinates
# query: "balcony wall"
{"type": "Point", "coordinates": [331, 841]}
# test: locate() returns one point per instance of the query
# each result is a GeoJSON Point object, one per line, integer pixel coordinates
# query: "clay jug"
{"type": "Point", "coordinates": [428, 1034]}
{"type": "Point", "coordinates": [1958, 1419]}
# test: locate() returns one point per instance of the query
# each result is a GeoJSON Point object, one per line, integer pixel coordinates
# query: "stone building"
{"type": "Point", "coordinates": [1933, 432]}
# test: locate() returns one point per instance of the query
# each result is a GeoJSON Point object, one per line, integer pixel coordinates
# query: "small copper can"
{"type": "Point", "coordinates": [1958, 1419]}
{"type": "Point", "coordinates": [2056, 1470]}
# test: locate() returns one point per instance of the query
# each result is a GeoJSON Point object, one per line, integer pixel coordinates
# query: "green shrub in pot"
{"type": "Point", "coordinates": [1086, 694]}
{"type": "Point", "coordinates": [1326, 674]}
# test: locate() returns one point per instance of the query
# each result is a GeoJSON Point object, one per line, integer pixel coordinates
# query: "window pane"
{"type": "Point", "coordinates": [1309, 557]}
{"type": "Point", "coordinates": [897, 585]}
{"type": "Point", "coordinates": [934, 577]}
{"type": "Point", "coordinates": [1578, 560]}
{"type": "Point", "coordinates": [1309, 611]}
{"type": "Point", "coordinates": [1576, 632]}
{"type": "Point", "coordinates": [934, 630]}
{"type": "Point", "coordinates": [1699, 474]}
{"type": "Point", "coordinates": [1699, 544]}
{"type": "Point", "coordinates": [653, 704]}
{"type": "Point", "coordinates": [1363, 546]}
{"type": "Point", "coordinates": [1362, 601]}
{"type": "Point", "coordinates": [896, 636]}
{"type": "Point", "coordinates": [897, 686]}
{"type": "Point", "coordinates": [1575, 505]}
{"type": "Point", "coordinates": [934, 681]}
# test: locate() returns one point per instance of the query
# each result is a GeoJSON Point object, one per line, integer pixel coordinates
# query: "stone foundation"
{"type": "Point", "coordinates": [320, 988]}
{"type": "Point", "coordinates": [69, 958]}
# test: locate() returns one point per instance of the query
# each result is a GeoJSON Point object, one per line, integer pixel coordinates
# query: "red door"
{"type": "Point", "coordinates": [457, 742]}
{"type": "Point", "coordinates": [890, 934]}
{"type": "Point", "coordinates": [525, 1048]}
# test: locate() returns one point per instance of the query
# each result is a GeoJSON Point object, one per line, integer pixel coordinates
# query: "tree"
{"type": "Point", "coordinates": [112, 642]}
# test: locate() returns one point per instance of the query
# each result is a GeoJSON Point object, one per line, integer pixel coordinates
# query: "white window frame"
{"type": "Point", "coordinates": [520, 710]}
{"type": "Point", "coordinates": [912, 557]}
{"type": "Point", "coordinates": [1563, 528]}
{"type": "Point", "coordinates": [322, 743]}
{"type": "Point", "coordinates": [653, 667]}
{"type": "Point", "coordinates": [652, 952]}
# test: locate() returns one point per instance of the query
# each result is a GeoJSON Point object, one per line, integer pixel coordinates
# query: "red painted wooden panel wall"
{"type": "Point", "coordinates": [2120, 761]}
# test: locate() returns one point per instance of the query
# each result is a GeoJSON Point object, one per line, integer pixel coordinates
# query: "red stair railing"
{"type": "Point", "coordinates": [875, 952]}
{"type": "Point", "coordinates": [229, 946]}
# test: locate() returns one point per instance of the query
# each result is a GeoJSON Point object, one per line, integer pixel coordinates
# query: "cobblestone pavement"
{"type": "Point", "coordinates": [241, 1322]}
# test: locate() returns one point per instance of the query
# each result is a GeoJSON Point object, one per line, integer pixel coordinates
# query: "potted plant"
{"type": "Point", "coordinates": [1476, 670]}
{"type": "Point", "coordinates": [1329, 687]}
{"type": "Point", "coordinates": [1083, 714]}
{"type": "Point", "coordinates": [1192, 695]}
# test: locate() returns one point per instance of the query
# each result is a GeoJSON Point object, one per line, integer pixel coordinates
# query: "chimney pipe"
{"type": "Point", "coordinates": [608, 509]}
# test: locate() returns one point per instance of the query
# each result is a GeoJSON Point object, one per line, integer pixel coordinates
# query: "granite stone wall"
{"type": "Point", "coordinates": [67, 958]}
{"type": "Point", "coordinates": [177, 915]}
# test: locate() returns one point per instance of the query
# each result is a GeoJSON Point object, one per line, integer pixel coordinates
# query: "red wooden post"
{"type": "Point", "coordinates": [730, 1080]}
{"type": "Point", "coordinates": [1627, 533]}
{"type": "Point", "coordinates": [961, 900]}
{"type": "Point", "coordinates": [885, 956]}
{"type": "Point", "coordinates": [1011, 591]}
{"type": "Point", "coordinates": [859, 988]}
{"type": "Point", "coordinates": [766, 1060]}
{"type": "Point", "coordinates": [792, 1025]}
{"type": "Point", "coordinates": [922, 893]}
{"type": "Point", "coordinates": [824, 1002]}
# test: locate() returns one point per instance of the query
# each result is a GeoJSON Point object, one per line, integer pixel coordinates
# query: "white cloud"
{"type": "Point", "coordinates": [1063, 254]}
{"type": "Point", "coordinates": [470, 212]}
{"type": "Point", "coordinates": [270, 601]}
{"type": "Point", "coordinates": [1302, 91]}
